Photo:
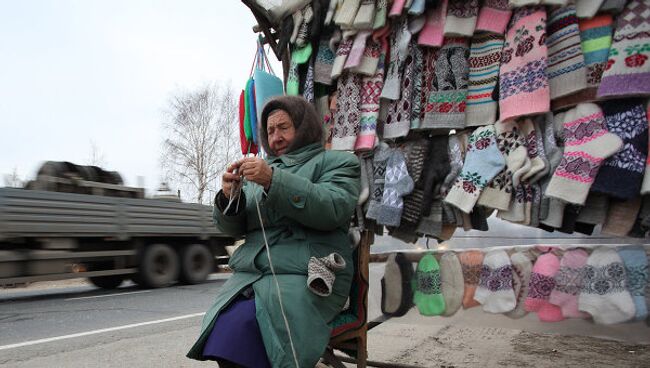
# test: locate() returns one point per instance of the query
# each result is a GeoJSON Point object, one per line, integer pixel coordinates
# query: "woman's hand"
{"type": "Point", "coordinates": [256, 170]}
{"type": "Point", "coordinates": [230, 179]}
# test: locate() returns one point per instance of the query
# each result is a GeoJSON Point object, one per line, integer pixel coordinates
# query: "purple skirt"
{"type": "Point", "coordinates": [236, 336]}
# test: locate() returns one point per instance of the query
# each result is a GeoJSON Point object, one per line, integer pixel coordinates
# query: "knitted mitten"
{"type": "Point", "coordinates": [320, 273]}
{"type": "Point", "coordinates": [628, 71]}
{"type": "Point", "coordinates": [379, 162]}
{"type": "Point", "coordinates": [398, 184]}
{"type": "Point", "coordinates": [604, 292]}
{"type": "Point", "coordinates": [523, 84]}
{"type": "Point", "coordinates": [432, 34]}
{"type": "Point", "coordinates": [493, 16]}
{"type": "Point", "coordinates": [587, 143]}
{"type": "Point", "coordinates": [622, 174]}
{"type": "Point", "coordinates": [461, 18]}
{"type": "Point", "coordinates": [511, 143]}
{"type": "Point", "coordinates": [636, 269]}
{"type": "Point", "coordinates": [346, 117]}
{"type": "Point", "coordinates": [428, 294]}
{"type": "Point", "coordinates": [483, 162]}
{"type": "Point", "coordinates": [495, 289]}
{"type": "Point", "coordinates": [568, 282]}
{"type": "Point", "coordinates": [542, 282]}
{"type": "Point", "coordinates": [471, 263]}
{"type": "Point", "coordinates": [451, 277]}
{"type": "Point", "coordinates": [522, 267]}
{"type": "Point", "coordinates": [566, 67]}
{"type": "Point", "coordinates": [484, 60]}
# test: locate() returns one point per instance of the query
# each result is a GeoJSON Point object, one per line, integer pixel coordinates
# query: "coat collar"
{"type": "Point", "coordinates": [299, 156]}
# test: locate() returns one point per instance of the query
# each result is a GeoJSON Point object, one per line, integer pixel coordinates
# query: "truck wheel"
{"type": "Point", "coordinates": [158, 267]}
{"type": "Point", "coordinates": [107, 282]}
{"type": "Point", "coordinates": [197, 263]}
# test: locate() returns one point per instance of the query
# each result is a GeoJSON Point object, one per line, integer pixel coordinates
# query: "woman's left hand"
{"type": "Point", "coordinates": [256, 170]}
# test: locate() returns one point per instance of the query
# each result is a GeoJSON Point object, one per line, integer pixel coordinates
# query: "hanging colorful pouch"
{"type": "Point", "coordinates": [267, 86]}
{"type": "Point", "coordinates": [253, 108]}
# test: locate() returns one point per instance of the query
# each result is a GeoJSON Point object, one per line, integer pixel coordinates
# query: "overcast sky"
{"type": "Point", "coordinates": [74, 72]}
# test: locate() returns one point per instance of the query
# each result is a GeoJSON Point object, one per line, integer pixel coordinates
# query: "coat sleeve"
{"type": "Point", "coordinates": [327, 203]}
{"type": "Point", "coordinates": [233, 223]}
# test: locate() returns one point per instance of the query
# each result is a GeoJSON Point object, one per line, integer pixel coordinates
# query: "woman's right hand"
{"type": "Point", "coordinates": [230, 179]}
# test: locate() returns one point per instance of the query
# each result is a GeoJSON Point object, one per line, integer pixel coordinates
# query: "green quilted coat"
{"type": "Point", "coordinates": [306, 213]}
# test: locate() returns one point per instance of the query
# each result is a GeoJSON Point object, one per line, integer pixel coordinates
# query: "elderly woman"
{"type": "Point", "coordinates": [306, 197]}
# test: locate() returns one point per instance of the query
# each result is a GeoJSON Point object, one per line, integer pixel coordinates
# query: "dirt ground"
{"type": "Point", "coordinates": [457, 347]}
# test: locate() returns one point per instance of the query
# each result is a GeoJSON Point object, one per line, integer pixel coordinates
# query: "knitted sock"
{"type": "Point", "coordinates": [417, 103]}
{"type": "Point", "coordinates": [566, 66]}
{"type": "Point", "coordinates": [455, 161]}
{"type": "Point", "coordinates": [398, 119]}
{"type": "Point", "coordinates": [365, 15]}
{"type": "Point", "coordinates": [604, 292]}
{"type": "Point", "coordinates": [482, 163]}
{"type": "Point", "coordinates": [428, 295]}
{"type": "Point", "coordinates": [451, 277]}
{"type": "Point", "coordinates": [522, 3]}
{"type": "Point", "coordinates": [645, 186]}
{"type": "Point", "coordinates": [595, 40]}
{"type": "Point", "coordinates": [346, 13]}
{"type": "Point", "coordinates": [346, 117]}
{"type": "Point", "coordinates": [636, 268]}
{"type": "Point", "coordinates": [299, 56]}
{"type": "Point", "coordinates": [568, 282]}
{"type": "Point", "coordinates": [433, 32]}
{"type": "Point", "coordinates": [622, 174]}
{"type": "Point", "coordinates": [396, 291]}
{"type": "Point", "coordinates": [495, 289]}
{"type": "Point", "coordinates": [594, 211]}
{"type": "Point", "coordinates": [484, 60]}
{"type": "Point", "coordinates": [538, 167]}
{"type": "Point", "coordinates": [511, 143]}
{"type": "Point", "coordinates": [437, 169]}
{"type": "Point", "coordinates": [628, 72]}
{"type": "Point", "coordinates": [369, 107]}
{"type": "Point", "coordinates": [587, 8]}
{"type": "Point", "coordinates": [398, 184]}
{"type": "Point", "coordinates": [493, 17]}
{"type": "Point", "coordinates": [356, 52]}
{"type": "Point", "coordinates": [522, 267]}
{"type": "Point", "coordinates": [302, 37]}
{"type": "Point", "coordinates": [400, 39]}
{"type": "Point", "coordinates": [523, 84]}
{"type": "Point", "coordinates": [417, 7]}
{"type": "Point", "coordinates": [342, 53]}
{"type": "Point", "coordinates": [587, 144]}
{"type": "Point", "coordinates": [430, 225]}
{"type": "Point", "coordinates": [554, 156]}
{"type": "Point", "coordinates": [323, 63]}
{"type": "Point", "coordinates": [542, 282]}
{"type": "Point", "coordinates": [379, 162]}
{"type": "Point", "coordinates": [445, 107]}
{"type": "Point", "coordinates": [471, 263]}
{"type": "Point", "coordinates": [373, 51]}
{"type": "Point", "coordinates": [461, 18]}
{"type": "Point", "coordinates": [397, 8]}
{"type": "Point", "coordinates": [621, 216]}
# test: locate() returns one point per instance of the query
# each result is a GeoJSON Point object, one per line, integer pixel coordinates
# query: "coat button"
{"type": "Point", "coordinates": [295, 199]}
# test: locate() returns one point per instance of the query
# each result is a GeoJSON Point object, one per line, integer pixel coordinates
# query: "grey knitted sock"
{"type": "Point", "coordinates": [379, 162]}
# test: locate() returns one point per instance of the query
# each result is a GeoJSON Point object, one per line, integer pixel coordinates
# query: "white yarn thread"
{"type": "Point", "coordinates": [238, 189]}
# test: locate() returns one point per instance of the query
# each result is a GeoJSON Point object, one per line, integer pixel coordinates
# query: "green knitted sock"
{"type": "Point", "coordinates": [428, 296]}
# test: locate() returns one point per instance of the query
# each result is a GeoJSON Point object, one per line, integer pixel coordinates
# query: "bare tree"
{"type": "Point", "coordinates": [96, 157]}
{"type": "Point", "coordinates": [201, 138]}
{"type": "Point", "coordinates": [13, 180]}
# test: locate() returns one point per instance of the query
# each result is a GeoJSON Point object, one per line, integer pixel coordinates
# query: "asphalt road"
{"type": "Point", "coordinates": [82, 326]}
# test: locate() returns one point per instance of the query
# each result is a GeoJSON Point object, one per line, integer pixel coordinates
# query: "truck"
{"type": "Point", "coordinates": [77, 221]}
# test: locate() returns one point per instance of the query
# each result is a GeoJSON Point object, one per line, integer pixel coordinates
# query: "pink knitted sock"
{"type": "Point", "coordinates": [433, 32]}
{"type": "Point", "coordinates": [568, 282]}
{"type": "Point", "coordinates": [542, 282]}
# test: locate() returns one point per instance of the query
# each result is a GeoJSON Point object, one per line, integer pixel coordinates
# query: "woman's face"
{"type": "Point", "coordinates": [281, 132]}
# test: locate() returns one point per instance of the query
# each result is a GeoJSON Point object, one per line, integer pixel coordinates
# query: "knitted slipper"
{"type": "Point", "coordinates": [320, 273]}
{"type": "Point", "coordinates": [428, 295]}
